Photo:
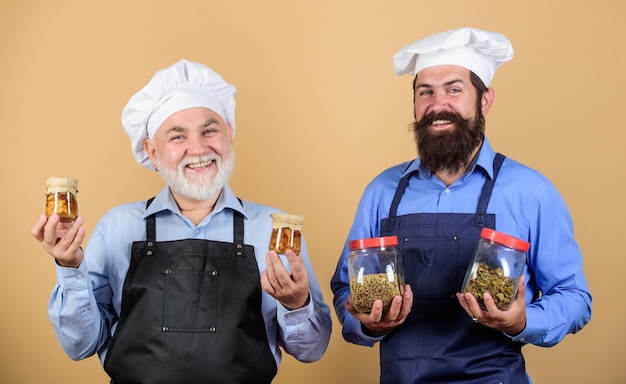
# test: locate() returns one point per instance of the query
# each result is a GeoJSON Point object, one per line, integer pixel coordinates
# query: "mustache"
{"type": "Point", "coordinates": [192, 160]}
{"type": "Point", "coordinates": [453, 117]}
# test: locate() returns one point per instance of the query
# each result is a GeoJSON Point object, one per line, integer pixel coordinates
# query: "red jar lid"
{"type": "Point", "coordinates": [504, 239]}
{"type": "Point", "coordinates": [375, 242]}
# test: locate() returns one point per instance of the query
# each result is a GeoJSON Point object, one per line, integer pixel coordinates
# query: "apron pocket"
{"type": "Point", "coordinates": [190, 300]}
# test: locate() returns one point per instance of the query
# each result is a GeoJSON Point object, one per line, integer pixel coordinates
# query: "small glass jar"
{"type": "Point", "coordinates": [286, 233]}
{"type": "Point", "coordinates": [61, 197]}
{"type": "Point", "coordinates": [375, 271]}
{"type": "Point", "coordinates": [497, 266]}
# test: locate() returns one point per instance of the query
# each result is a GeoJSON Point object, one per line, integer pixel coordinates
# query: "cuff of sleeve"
{"type": "Point", "coordinates": [367, 334]}
{"type": "Point", "coordinates": [72, 278]}
{"type": "Point", "coordinates": [296, 316]}
{"type": "Point", "coordinates": [535, 328]}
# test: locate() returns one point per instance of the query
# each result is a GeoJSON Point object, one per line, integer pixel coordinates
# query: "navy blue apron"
{"type": "Point", "coordinates": [191, 313]}
{"type": "Point", "coordinates": [439, 342]}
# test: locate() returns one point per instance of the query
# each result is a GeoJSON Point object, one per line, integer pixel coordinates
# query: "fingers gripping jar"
{"type": "Point", "coordinates": [498, 264]}
{"type": "Point", "coordinates": [286, 233]}
{"type": "Point", "coordinates": [61, 197]}
{"type": "Point", "coordinates": [375, 271]}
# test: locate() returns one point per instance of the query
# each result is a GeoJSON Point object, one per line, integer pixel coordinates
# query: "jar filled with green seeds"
{"type": "Point", "coordinates": [498, 264]}
{"type": "Point", "coordinates": [375, 272]}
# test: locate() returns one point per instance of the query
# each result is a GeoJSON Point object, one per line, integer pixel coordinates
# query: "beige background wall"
{"type": "Point", "coordinates": [320, 112]}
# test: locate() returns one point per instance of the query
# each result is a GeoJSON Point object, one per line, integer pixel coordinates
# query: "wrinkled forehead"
{"type": "Point", "coordinates": [190, 118]}
{"type": "Point", "coordinates": [441, 75]}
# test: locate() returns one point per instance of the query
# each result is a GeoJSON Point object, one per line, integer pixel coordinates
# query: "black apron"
{"type": "Point", "coordinates": [439, 342]}
{"type": "Point", "coordinates": [191, 313]}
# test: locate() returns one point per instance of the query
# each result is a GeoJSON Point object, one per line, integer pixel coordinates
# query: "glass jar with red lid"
{"type": "Point", "coordinates": [375, 271]}
{"type": "Point", "coordinates": [496, 268]}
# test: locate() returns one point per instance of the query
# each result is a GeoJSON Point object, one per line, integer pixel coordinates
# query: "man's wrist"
{"type": "Point", "coordinates": [307, 301]}
{"type": "Point", "coordinates": [66, 266]}
{"type": "Point", "coordinates": [368, 332]}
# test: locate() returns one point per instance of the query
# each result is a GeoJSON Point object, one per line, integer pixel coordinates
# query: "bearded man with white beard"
{"type": "Point", "coordinates": [181, 288]}
{"type": "Point", "coordinates": [436, 205]}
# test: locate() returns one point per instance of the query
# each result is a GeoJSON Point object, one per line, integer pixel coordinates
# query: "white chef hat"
{"type": "Point", "coordinates": [479, 51]}
{"type": "Point", "coordinates": [183, 85]}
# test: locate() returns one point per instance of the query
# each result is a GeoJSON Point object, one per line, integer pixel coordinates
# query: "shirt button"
{"type": "Point", "coordinates": [448, 190]}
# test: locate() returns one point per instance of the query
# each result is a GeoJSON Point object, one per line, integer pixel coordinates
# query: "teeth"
{"type": "Point", "coordinates": [438, 122]}
{"type": "Point", "coordinates": [199, 165]}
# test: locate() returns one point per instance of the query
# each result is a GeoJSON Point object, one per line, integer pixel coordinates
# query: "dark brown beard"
{"type": "Point", "coordinates": [448, 151]}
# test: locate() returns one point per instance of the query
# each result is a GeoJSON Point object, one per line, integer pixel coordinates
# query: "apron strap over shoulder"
{"type": "Point", "coordinates": [485, 195]}
{"type": "Point", "coordinates": [150, 230]}
{"type": "Point", "coordinates": [391, 222]}
{"type": "Point", "coordinates": [488, 186]}
{"type": "Point", "coordinates": [238, 231]}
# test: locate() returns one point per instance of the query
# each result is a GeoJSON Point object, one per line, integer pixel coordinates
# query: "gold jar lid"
{"type": "Point", "coordinates": [61, 184]}
{"type": "Point", "coordinates": [281, 220]}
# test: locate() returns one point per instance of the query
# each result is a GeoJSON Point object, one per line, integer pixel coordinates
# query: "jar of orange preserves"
{"type": "Point", "coordinates": [286, 233]}
{"type": "Point", "coordinates": [61, 197]}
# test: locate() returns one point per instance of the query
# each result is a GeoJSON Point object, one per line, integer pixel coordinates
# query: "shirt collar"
{"type": "Point", "coordinates": [164, 201]}
{"type": "Point", "coordinates": [484, 160]}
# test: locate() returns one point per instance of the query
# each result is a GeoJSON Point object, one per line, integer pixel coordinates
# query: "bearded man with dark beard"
{"type": "Point", "coordinates": [436, 206]}
{"type": "Point", "coordinates": [448, 151]}
{"type": "Point", "coordinates": [181, 288]}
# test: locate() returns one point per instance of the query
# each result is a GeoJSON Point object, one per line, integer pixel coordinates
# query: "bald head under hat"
{"type": "Point", "coordinates": [477, 50]}
{"type": "Point", "coordinates": [183, 85]}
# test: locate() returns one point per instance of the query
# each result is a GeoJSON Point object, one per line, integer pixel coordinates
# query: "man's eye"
{"type": "Point", "coordinates": [454, 90]}
{"type": "Point", "coordinates": [425, 92]}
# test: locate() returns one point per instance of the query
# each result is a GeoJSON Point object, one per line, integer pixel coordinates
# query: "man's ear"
{"type": "Point", "coordinates": [148, 146]}
{"type": "Point", "coordinates": [487, 100]}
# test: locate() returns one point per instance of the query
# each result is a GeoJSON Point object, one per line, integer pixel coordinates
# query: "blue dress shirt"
{"type": "Point", "coordinates": [526, 205]}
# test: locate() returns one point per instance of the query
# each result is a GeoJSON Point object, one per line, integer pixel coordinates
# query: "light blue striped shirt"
{"type": "Point", "coordinates": [85, 301]}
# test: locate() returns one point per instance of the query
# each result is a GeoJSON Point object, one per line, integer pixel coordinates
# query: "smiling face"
{"type": "Point", "coordinates": [449, 117]}
{"type": "Point", "coordinates": [444, 88]}
{"type": "Point", "coordinates": [193, 151]}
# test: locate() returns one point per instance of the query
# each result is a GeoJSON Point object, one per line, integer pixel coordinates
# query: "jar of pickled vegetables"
{"type": "Point", "coordinates": [286, 233]}
{"type": "Point", "coordinates": [61, 197]}
{"type": "Point", "coordinates": [375, 271]}
{"type": "Point", "coordinates": [497, 266]}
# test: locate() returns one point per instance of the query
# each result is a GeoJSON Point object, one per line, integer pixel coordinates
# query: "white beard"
{"type": "Point", "coordinates": [203, 187]}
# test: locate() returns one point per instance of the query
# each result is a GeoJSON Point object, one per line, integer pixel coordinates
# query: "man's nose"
{"type": "Point", "coordinates": [440, 102]}
{"type": "Point", "coordinates": [197, 145]}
